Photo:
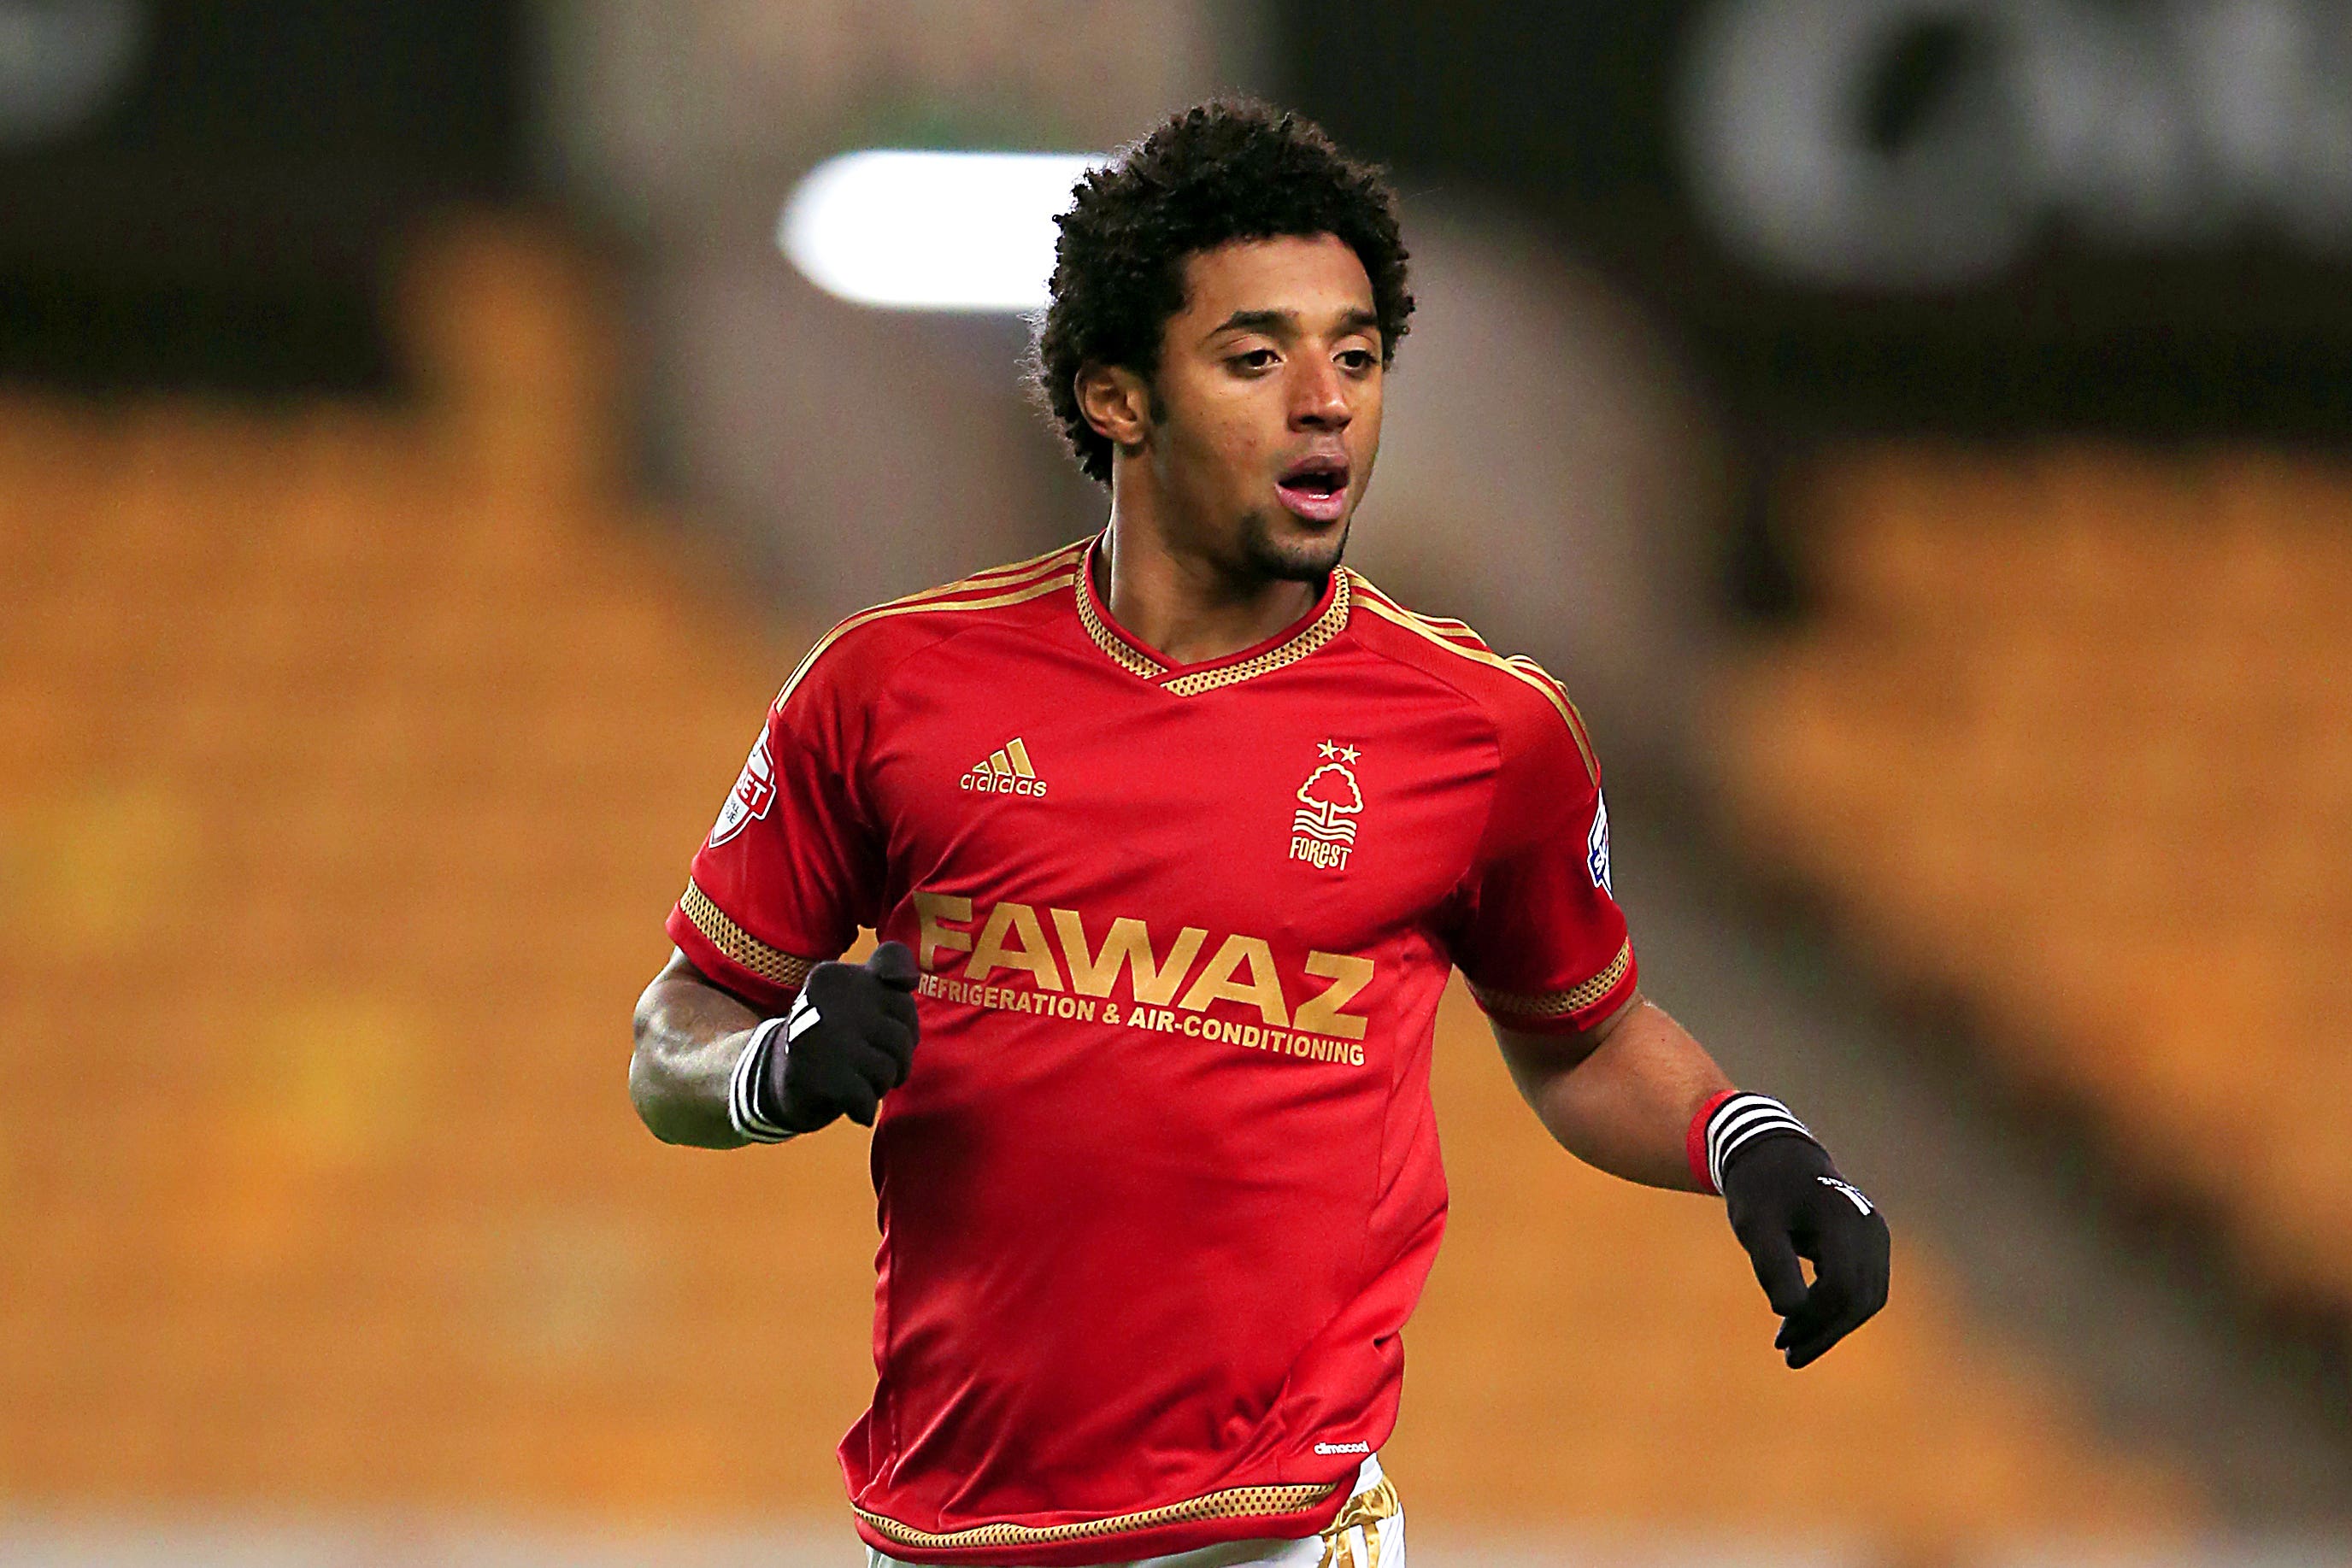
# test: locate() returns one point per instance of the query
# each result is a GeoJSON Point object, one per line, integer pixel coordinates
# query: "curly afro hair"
{"type": "Point", "coordinates": [1218, 172]}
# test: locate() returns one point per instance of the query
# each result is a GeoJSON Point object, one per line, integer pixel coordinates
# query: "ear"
{"type": "Point", "coordinates": [1115, 401]}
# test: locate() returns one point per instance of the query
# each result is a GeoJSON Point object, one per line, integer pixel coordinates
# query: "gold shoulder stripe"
{"type": "Point", "coordinates": [994, 581]}
{"type": "Point", "coordinates": [1009, 592]}
{"type": "Point", "coordinates": [1575, 718]}
{"type": "Point", "coordinates": [1452, 630]}
{"type": "Point", "coordinates": [1521, 662]}
{"type": "Point", "coordinates": [772, 965]}
{"type": "Point", "coordinates": [1528, 674]}
{"type": "Point", "coordinates": [1238, 1502]}
{"type": "Point", "coordinates": [1460, 631]}
{"type": "Point", "coordinates": [1557, 1004]}
{"type": "Point", "coordinates": [994, 575]}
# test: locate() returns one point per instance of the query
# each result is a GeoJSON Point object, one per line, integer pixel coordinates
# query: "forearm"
{"type": "Point", "coordinates": [689, 1036]}
{"type": "Point", "coordinates": [1623, 1105]}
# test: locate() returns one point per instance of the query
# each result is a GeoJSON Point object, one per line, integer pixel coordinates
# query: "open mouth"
{"type": "Point", "coordinates": [1316, 488]}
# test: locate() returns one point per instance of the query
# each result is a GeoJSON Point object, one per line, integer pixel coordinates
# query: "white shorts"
{"type": "Point", "coordinates": [1368, 1534]}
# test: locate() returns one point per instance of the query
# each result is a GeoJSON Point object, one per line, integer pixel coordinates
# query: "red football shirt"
{"type": "Point", "coordinates": [1164, 1186]}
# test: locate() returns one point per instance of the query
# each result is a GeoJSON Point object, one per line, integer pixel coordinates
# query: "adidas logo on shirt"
{"type": "Point", "coordinates": [1005, 772]}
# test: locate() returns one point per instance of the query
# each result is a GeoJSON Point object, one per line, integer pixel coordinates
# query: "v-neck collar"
{"type": "Point", "coordinates": [1325, 621]}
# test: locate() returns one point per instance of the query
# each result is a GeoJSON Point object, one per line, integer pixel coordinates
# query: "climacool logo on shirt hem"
{"type": "Point", "coordinates": [1343, 1447]}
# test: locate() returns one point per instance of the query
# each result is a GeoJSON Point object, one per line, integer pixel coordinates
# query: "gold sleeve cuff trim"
{"type": "Point", "coordinates": [1558, 1004]}
{"type": "Point", "coordinates": [1239, 1503]}
{"type": "Point", "coordinates": [772, 965]}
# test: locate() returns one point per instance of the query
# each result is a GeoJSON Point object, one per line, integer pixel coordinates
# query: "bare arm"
{"type": "Point", "coordinates": [1619, 1096]}
{"type": "Point", "coordinates": [690, 1033]}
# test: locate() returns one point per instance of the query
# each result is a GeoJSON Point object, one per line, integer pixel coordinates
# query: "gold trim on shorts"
{"type": "Point", "coordinates": [1236, 1502]}
{"type": "Point", "coordinates": [1365, 1511]}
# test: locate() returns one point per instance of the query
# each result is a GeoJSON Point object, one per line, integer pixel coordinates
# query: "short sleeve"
{"type": "Point", "coordinates": [792, 868]}
{"type": "Point", "coordinates": [1539, 937]}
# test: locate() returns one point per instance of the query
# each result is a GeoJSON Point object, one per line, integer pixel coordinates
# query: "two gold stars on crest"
{"type": "Point", "coordinates": [1335, 751]}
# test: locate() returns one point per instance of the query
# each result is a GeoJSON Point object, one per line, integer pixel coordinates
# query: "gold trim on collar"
{"type": "Point", "coordinates": [1557, 1004]}
{"type": "Point", "coordinates": [1326, 626]}
{"type": "Point", "coordinates": [1135, 661]}
{"type": "Point", "coordinates": [1122, 653]}
{"type": "Point", "coordinates": [1238, 1502]}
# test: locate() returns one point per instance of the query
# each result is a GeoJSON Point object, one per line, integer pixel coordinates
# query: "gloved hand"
{"type": "Point", "coordinates": [1786, 1201]}
{"type": "Point", "coordinates": [848, 1040]}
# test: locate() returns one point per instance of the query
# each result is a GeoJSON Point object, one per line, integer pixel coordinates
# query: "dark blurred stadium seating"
{"type": "Point", "coordinates": [2072, 739]}
{"type": "Point", "coordinates": [354, 754]}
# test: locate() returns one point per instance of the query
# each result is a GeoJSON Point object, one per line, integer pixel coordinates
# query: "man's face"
{"type": "Point", "coordinates": [1266, 412]}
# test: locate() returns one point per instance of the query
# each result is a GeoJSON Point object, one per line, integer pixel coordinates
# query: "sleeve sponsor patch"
{"type": "Point", "coordinates": [1596, 847]}
{"type": "Point", "coordinates": [754, 792]}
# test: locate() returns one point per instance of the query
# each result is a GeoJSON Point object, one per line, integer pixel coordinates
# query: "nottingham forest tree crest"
{"type": "Point", "coordinates": [1323, 829]}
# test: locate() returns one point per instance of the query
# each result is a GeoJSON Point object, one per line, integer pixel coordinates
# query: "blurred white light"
{"type": "Point", "coordinates": [932, 231]}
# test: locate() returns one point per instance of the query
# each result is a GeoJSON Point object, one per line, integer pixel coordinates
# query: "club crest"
{"type": "Point", "coordinates": [1323, 829]}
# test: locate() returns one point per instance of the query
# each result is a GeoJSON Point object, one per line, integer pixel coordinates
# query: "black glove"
{"type": "Point", "coordinates": [1786, 1201]}
{"type": "Point", "coordinates": [848, 1039]}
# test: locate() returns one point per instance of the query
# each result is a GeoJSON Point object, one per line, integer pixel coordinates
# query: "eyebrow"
{"type": "Point", "coordinates": [1279, 322]}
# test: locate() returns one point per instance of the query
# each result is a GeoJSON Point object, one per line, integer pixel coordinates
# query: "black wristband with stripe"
{"type": "Point", "coordinates": [1731, 1122]}
{"type": "Point", "coordinates": [743, 1112]}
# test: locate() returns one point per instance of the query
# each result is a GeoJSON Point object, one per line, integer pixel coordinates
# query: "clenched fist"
{"type": "Point", "coordinates": [848, 1040]}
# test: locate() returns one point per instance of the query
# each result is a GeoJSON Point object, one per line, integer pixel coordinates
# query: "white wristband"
{"type": "Point", "coordinates": [743, 1087]}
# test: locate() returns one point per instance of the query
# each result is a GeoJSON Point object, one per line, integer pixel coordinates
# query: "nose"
{"type": "Point", "coordinates": [1318, 398]}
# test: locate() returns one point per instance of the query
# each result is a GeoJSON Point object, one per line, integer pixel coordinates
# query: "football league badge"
{"type": "Point", "coordinates": [1596, 847]}
{"type": "Point", "coordinates": [754, 792]}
